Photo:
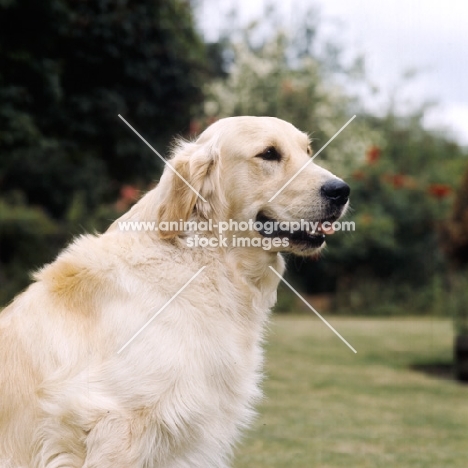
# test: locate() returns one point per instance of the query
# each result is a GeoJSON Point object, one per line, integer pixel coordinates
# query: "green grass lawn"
{"type": "Point", "coordinates": [325, 406]}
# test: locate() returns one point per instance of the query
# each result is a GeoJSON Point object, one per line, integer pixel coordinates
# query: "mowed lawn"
{"type": "Point", "coordinates": [325, 406]}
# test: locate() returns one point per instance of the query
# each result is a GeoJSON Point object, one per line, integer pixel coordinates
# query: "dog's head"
{"type": "Point", "coordinates": [258, 169]}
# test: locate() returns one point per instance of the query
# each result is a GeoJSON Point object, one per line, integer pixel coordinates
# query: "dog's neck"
{"type": "Point", "coordinates": [251, 270]}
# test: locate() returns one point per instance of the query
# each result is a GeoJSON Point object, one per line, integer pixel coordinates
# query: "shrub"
{"type": "Point", "coordinates": [29, 238]}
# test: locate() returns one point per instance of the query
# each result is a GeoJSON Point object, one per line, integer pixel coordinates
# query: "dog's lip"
{"type": "Point", "coordinates": [312, 239]}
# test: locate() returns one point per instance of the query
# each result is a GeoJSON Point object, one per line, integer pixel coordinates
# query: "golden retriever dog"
{"type": "Point", "coordinates": [110, 359]}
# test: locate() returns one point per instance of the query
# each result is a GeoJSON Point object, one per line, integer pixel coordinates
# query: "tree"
{"type": "Point", "coordinates": [280, 77]}
{"type": "Point", "coordinates": [401, 175]}
{"type": "Point", "coordinates": [67, 69]}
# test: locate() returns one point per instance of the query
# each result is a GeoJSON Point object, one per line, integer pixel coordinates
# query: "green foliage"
{"type": "Point", "coordinates": [368, 295]}
{"type": "Point", "coordinates": [396, 215]}
{"type": "Point", "coordinates": [29, 238]}
{"type": "Point", "coordinates": [67, 69]}
{"type": "Point", "coordinates": [402, 176]}
{"type": "Point", "coordinates": [392, 263]}
{"type": "Point", "coordinates": [280, 77]}
{"type": "Point", "coordinates": [286, 300]}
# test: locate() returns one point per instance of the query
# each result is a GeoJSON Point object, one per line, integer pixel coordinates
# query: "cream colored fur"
{"type": "Point", "coordinates": [179, 395]}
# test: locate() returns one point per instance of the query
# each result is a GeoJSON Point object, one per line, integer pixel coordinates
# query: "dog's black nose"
{"type": "Point", "coordinates": [336, 191]}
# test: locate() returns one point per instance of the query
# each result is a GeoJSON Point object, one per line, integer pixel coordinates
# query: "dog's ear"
{"type": "Point", "coordinates": [192, 171]}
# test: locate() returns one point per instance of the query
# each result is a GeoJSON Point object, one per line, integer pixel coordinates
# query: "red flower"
{"type": "Point", "coordinates": [398, 180]}
{"type": "Point", "coordinates": [439, 190]}
{"type": "Point", "coordinates": [129, 193]}
{"type": "Point", "coordinates": [373, 154]}
{"type": "Point", "coordinates": [358, 175]}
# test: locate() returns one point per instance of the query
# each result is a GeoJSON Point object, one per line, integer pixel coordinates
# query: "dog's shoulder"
{"type": "Point", "coordinates": [81, 275]}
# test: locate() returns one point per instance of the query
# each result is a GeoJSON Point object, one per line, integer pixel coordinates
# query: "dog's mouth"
{"type": "Point", "coordinates": [313, 236]}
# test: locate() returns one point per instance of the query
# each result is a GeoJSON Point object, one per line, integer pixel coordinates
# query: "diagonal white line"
{"type": "Point", "coordinates": [311, 159]}
{"type": "Point", "coordinates": [162, 159]}
{"type": "Point", "coordinates": [312, 309]}
{"type": "Point", "coordinates": [161, 309]}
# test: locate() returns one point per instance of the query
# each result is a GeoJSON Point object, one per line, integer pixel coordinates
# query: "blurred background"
{"type": "Point", "coordinates": [397, 287]}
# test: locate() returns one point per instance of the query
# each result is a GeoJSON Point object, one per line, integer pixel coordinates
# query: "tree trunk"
{"type": "Point", "coordinates": [461, 357]}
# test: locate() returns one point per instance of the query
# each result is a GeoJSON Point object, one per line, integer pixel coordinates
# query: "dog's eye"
{"type": "Point", "coordinates": [309, 151]}
{"type": "Point", "coordinates": [270, 154]}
